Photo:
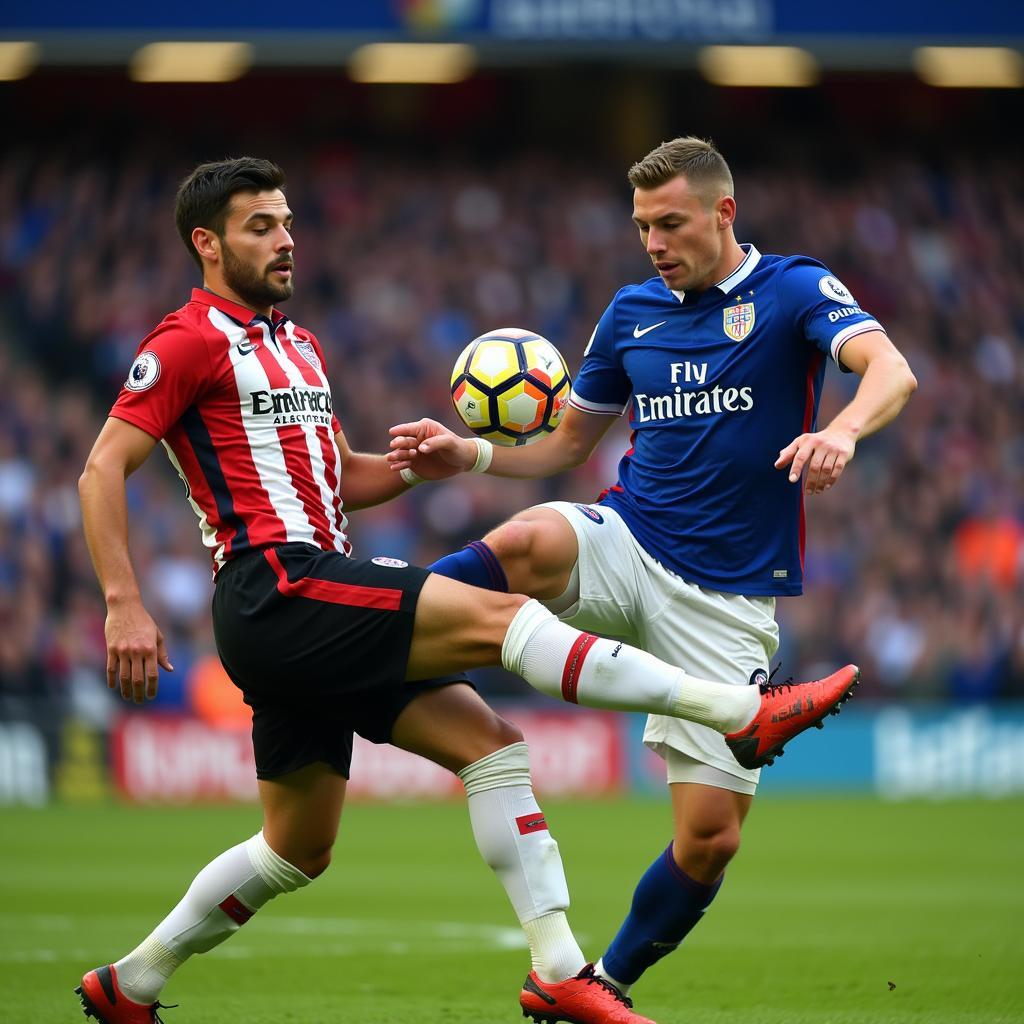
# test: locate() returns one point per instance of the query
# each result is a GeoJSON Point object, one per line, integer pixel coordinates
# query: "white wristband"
{"type": "Point", "coordinates": [484, 454]}
{"type": "Point", "coordinates": [411, 477]}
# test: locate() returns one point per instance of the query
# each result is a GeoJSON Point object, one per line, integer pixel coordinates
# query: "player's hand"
{"type": "Point", "coordinates": [135, 647]}
{"type": "Point", "coordinates": [824, 454]}
{"type": "Point", "coordinates": [430, 449]}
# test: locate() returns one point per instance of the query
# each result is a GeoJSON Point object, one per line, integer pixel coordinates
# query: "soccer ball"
{"type": "Point", "coordinates": [510, 386]}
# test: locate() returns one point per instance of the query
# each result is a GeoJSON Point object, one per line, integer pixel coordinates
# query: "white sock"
{"type": "Point", "coordinates": [602, 973]}
{"type": "Point", "coordinates": [513, 838]}
{"type": "Point", "coordinates": [221, 898]}
{"type": "Point", "coordinates": [584, 669]}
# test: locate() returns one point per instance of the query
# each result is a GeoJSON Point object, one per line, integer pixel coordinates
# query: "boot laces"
{"type": "Point", "coordinates": [596, 979]}
{"type": "Point", "coordinates": [157, 1019]}
{"type": "Point", "coordinates": [769, 687]}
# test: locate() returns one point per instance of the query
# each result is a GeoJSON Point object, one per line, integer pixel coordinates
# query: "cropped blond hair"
{"type": "Point", "coordinates": [695, 159]}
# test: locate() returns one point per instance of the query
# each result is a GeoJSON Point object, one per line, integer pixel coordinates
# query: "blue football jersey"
{"type": "Point", "coordinates": [717, 383]}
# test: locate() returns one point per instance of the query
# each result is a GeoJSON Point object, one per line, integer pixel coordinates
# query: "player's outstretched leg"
{"type": "Point", "coordinates": [786, 710]}
{"type": "Point", "coordinates": [584, 669]}
{"type": "Point", "coordinates": [758, 725]}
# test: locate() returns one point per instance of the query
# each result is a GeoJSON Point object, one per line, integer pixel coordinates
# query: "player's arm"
{"type": "Point", "coordinates": [135, 646]}
{"type": "Point", "coordinates": [368, 480]}
{"type": "Point", "coordinates": [425, 446]}
{"type": "Point", "coordinates": [887, 382]}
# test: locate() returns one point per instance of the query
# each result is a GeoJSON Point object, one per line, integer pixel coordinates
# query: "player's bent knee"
{"type": "Point", "coordinates": [487, 624]}
{"type": "Point", "coordinates": [315, 862]}
{"type": "Point", "coordinates": [726, 845]}
{"type": "Point", "coordinates": [488, 738]}
{"type": "Point", "coordinates": [716, 848]}
{"type": "Point", "coordinates": [502, 733]}
{"type": "Point", "coordinates": [498, 611]}
{"type": "Point", "coordinates": [513, 540]}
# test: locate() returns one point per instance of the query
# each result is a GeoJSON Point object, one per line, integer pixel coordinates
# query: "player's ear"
{"type": "Point", "coordinates": [207, 243]}
{"type": "Point", "coordinates": [726, 212]}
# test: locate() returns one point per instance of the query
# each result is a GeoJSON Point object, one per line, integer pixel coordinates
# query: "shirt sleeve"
{"type": "Point", "coordinates": [823, 309]}
{"type": "Point", "coordinates": [602, 386]}
{"type": "Point", "coordinates": [171, 370]}
{"type": "Point", "coordinates": [335, 422]}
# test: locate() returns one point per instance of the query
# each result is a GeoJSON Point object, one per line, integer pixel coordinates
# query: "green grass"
{"type": "Point", "coordinates": [829, 902]}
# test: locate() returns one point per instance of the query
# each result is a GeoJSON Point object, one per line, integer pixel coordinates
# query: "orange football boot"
{"type": "Point", "coordinates": [102, 999]}
{"type": "Point", "coordinates": [786, 710]}
{"type": "Point", "coordinates": [585, 999]}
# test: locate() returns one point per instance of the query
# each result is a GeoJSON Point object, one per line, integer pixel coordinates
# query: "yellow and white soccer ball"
{"type": "Point", "coordinates": [510, 386]}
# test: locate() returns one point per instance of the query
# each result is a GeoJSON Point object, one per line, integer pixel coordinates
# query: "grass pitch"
{"type": "Point", "coordinates": [845, 911]}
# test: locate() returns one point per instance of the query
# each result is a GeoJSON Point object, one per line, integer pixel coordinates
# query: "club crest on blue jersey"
{"type": "Point", "coordinates": [306, 350]}
{"type": "Point", "coordinates": [738, 321]}
{"type": "Point", "coordinates": [591, 513]}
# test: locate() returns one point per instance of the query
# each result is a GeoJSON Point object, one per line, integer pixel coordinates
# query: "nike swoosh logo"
{"type": "Point", "coordinates": [531, 986]}
{"type": "Point", "coordinates": [637, 333]}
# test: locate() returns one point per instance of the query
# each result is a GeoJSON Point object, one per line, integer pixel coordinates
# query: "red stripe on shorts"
{"type": "Point", "coordinates": [531, 823]}
{"type": "Point", "coordinates": [235, 909]}
{"type": "Point", "coordinates": [574, 666]}
{"type": "Point", "coordinates": [334, 593]}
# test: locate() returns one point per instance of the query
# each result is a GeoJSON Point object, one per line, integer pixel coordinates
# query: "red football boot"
{"type": "Point", "coordinates": [102, 999]}
{"type": "Point", "coordinates": [585, 999]}
{"type": "Point", "coordinates": [786, 710]}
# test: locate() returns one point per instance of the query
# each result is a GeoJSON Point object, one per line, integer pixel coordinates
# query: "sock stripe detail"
{"type": "Point", "coordinates": [574, 666]}
{"type": "Point", "coordinates": [235, 909]}
{"type": "Point", "coordinates": [496, 574]}
{"type": "Point", "coordinates": [528, 823]}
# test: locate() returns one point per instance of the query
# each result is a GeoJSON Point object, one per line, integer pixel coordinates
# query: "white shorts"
{"type": "Point", "coordinates": [626, 594]}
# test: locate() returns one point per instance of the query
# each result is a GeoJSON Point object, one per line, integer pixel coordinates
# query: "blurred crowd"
{"type": "Point", "coordinates": [915, 564]}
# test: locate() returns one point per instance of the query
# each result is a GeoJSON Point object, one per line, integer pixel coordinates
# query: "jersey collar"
{"type": "Point", "coordinates": [241, 314]}
{"type": "Point", "coordinates": [744, 270]}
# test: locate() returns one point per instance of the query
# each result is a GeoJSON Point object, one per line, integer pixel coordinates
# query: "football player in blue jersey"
{"type": "Point", "coordinates": [720, 359]}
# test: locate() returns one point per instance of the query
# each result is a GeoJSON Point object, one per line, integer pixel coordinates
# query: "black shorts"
{"type": "Point", "coordinates": [318, 644]}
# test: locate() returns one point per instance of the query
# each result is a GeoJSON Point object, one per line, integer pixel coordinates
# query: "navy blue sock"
{"type": "Point", "coordinates": [667, 904]}
{"type": "Point", "coordinates": [476, 564]}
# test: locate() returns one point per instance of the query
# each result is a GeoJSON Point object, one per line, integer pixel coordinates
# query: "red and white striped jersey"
{"type": "Point", "coordinates": [243, 408]}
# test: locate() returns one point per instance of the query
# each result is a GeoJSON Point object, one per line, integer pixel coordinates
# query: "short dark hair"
{"type": "Point", "coordinates": [695, 159]}
{"type": "Point", "coordinates": [204, 197]}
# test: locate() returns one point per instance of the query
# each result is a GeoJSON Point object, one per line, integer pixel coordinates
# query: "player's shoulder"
{"type": "Point", "coordinates": [802, 276]}
{"type": "Point", "coordinates": [185, 323]}
{"type": "Point", "coordinates": [644, 294]}
{"type": "Point", "coordinates": [795, 268]}
{"type": "Point", "coordinates": [792, 264]}
{"type": "Point", "coordinates": [182, 339]}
